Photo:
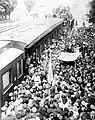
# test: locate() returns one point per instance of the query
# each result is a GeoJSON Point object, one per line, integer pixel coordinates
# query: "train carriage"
{"type": "Point", "coordinates": [19, 42]}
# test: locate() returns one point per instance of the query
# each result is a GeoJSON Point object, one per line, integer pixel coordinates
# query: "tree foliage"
{"type": "Point", "coordinates": [91, 15]}
{"type": "Point", "coordinates": [6, 7]}
{"type": "Point", "coordinates": [29, 4]}
{"type": "Point", "coordinates": [63, 12]}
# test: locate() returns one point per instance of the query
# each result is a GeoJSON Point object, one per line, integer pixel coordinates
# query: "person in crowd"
{"type": "Point", "coordinates": [71, 96]}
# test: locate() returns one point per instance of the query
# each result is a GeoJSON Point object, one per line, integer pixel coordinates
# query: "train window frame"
{"type": "Point", "coordinates": [52, 36]}
{"type": "Point", "coordinates": [22, 66]}
{"type": "Point", "coordinates": [10, 79]}
{"type": "Point", "coordinates": [49, 40]}
{"type": "Point", "coordinates": [57, 32]}
{"type": "Point", "coordinates": [46, 42]}
{"type": "Point", "coordinates": [19, 68]}
{"type": "Point", "coordinates": [40, 49]}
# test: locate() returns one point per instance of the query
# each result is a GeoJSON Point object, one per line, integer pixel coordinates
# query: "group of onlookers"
{"type": "Point", "coordinates": [71, 93]}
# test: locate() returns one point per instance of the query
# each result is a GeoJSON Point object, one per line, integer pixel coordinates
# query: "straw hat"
{"type": "Point", "coordinates": [11, 107]}
{"type": "Point", "coordinates": [44, 81]}
{"type": "Point", "coordinates": [11, 102]}
{"type": "Point", "coordinates": [20, 100]}
{"type": "Point", "coordinates": [3, 115]}
{"type": "Point", "coordinates": [31, 90]}
{"type": "Point", "coordinates": [84, 103]}
{"type": "Point", "coordinates": [92, 107]}
{"type": "Point", "coordinates": [10, 94]}
{"type": "Point", "coordinates": [35, 98]}
{"type": "Point", "coordinates": [34, 109]}
{"type": "Point", "coordinates": [23, 82]}
{"type": "Point", "coordinates": [4, 108]}
{"type": "Point", "coordinates": [20, 107]}
{"type": "Point", "coordinates": [20, 85]}
{"type": "Point", "coordinates": [8, 112]}
{"type": "Point", "coordinates": [12, 98]}
{"type": "Point", "coordinates": [16, 103]}
{"type": "Point", "coordinates": [88, 84]}
{"type": "Point", "coordinates": [15, 87]}
{"type": "Point", "coordinates": [31, 65]}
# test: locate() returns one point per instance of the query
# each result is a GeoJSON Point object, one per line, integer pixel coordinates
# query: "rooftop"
{"type": "Point", "coordinates": [33, 30]}
{"type": "Point", "coordinates": [8, 56]}
{"type": "Point", "coordinates": [3, 43]}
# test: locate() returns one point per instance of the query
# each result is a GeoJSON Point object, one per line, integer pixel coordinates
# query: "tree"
{"type": "Point", "coordinates": [63, 12]}
{"type": "Point", "coordinates": [7, 7]}
{"type": "Point", "coordinates": [29, 4]}
{"type": "Point", "coordinates": [91, 15]}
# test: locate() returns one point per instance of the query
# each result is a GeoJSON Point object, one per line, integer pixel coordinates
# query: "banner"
{"type": "Point", "coordinates": [68, 56]}
{"type": "Point", "coordinates": [50, 72]}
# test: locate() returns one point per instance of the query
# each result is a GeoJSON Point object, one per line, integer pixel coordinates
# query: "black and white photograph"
{"type": "Point", "coordinates": [47, 59]}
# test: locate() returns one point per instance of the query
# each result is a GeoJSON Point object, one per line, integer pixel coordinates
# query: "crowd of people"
{"type": "Point", "coordinates": [71, 93]}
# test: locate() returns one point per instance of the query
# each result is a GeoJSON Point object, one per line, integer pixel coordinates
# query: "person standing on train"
{"type": "Point", "coordinates": [31, 70]}
{"type": "Point", "coordinates": [27, 63]}
{"type": "Point", "coordinates": [33, 59]}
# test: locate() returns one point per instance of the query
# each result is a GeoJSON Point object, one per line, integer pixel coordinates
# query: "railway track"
{"type": "Point", "coordinates": [10, 27]}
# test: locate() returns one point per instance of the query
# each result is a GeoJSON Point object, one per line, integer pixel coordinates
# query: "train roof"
{"type": "Point", "coordinates": [33, 32]}
{"type": "Point", "coordinates": [8, 56]}
{"type": "Point", "coordinates": [4, 43]}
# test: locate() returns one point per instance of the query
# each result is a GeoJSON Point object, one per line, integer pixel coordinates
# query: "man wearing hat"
{"type": "Point", "coordinates": [31, 70]}
{"type": "Point", "coordinates": [9, 115]}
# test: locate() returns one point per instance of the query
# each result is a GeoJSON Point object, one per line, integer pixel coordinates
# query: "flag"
{"type": "Point", "coordinates": [50, 72]}
{"type": "Point", "coordinates": [72, 24]}
{"type": "Point", "coordinates": [46, 61]}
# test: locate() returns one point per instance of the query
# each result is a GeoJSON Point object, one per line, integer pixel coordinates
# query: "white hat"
{"type": "Point", "coordinates": [34, 109]}
{"type": "Point", "coordinates": [10, 94]}
{"type": "Point", "coordinates": [44, 81]}
{"type": "Point", "coordinates": [31, 90]}
{"type": "Point", "coordinates": [3, 115]}
{"type": "Point", "coordinates": [16, 103]}
{"type": "Point", "coordinates": [4, 108]}
{"type": "Point", "coordinates": [15, 87]}
{"type": "Point", "coordinates": [8, 112]}
{"type": "Point", "coordinates": [37, 118]}
{"type": "Point", "coordinates": [23, 82]}
{"type": "Point", "coordinates": [20, 107]}
{"type": "Point", "coordinates": [88, 84]}
{"type": "Point", "coordinates": [20, 100]}
{"type": "Point", "coordinates": [11, 102]}
{"type": "Point", "coordinates": [31, 65]}
{"type": "Point", "coordinates": [92, 107]}
{"type": "Point", "coordinates": [20, 85]}
{"type": "Point", "coordinates": [11, 107]}
{"type": "Point", "coordinates": [83, 103]}
{"type": "Point", "coordinates": [35, 98]}
{"type": "Point", "coordinates": [12, 98]}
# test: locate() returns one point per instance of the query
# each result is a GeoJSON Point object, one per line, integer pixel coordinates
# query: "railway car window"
{"type": "Point", "coordinates": [22, 66]}
{"type": "Point", "coordinates": [49, 39]}
{"type": "Point", "coordinates": [6, 78]}
{"type": "Point", "coordinates": [57, 31]}
{"type": "Point", "coordinates": [52, 36]}
{"type": "Point", "coordinates": [40, 49]}
{"type": "Point", "coordinates": [46, 42]}
{"type": "Point", "coordinates": [19, 68]}
{"type": "Point", "coordinates": [37, 52]}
